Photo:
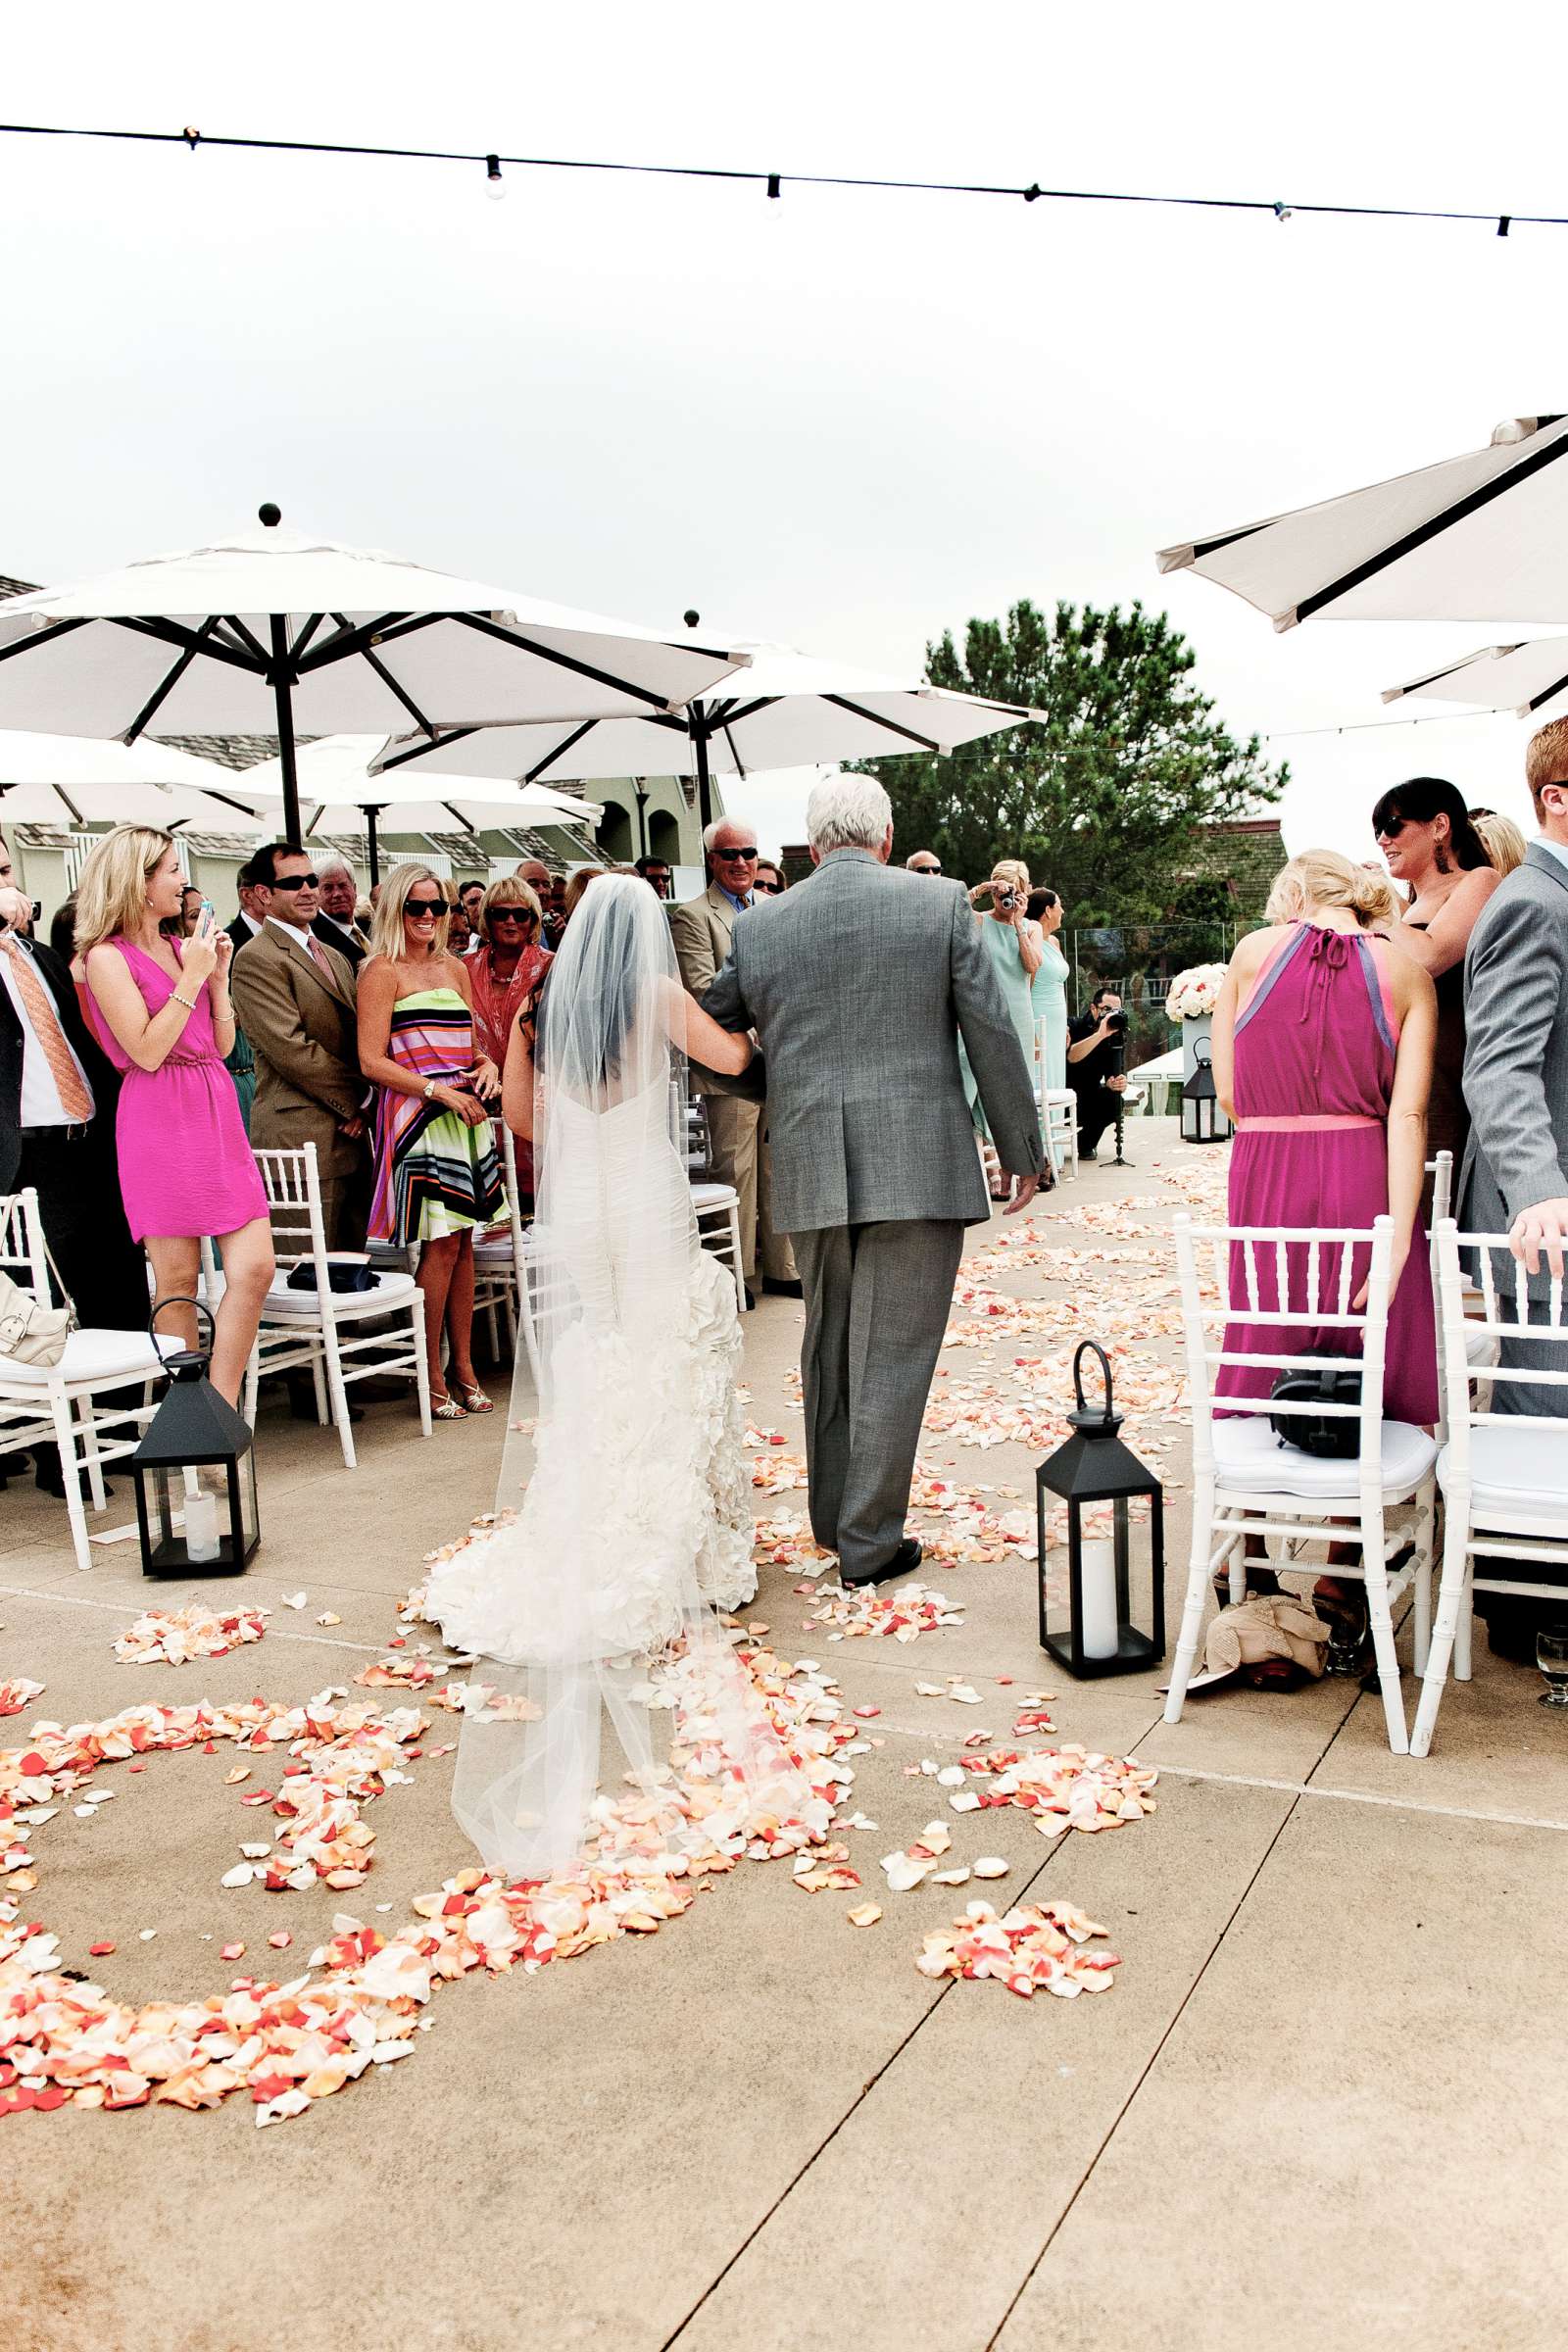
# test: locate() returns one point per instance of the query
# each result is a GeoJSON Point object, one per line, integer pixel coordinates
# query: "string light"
{"type": "Point", "coordinates": [1362, 726]}
{"type": "Point", "coordinates": [1499, 223]}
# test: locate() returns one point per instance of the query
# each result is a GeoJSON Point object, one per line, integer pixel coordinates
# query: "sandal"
{"type": "Point", "coordinates": [474, 1400]}
{"type": "Point", "coordinates": [448, 1409]}
{"type": "Point", "coordinates": [1261, 1581]}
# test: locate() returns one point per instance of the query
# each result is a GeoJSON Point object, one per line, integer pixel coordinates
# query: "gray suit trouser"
{"type": "Point", "coordinates": [876, 1308]}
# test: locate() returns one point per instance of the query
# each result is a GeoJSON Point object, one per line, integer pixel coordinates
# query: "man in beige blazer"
{"type": "Point", "coordinates": [294, 995]}
{"type": "Point", "coordinates": [701, 929]}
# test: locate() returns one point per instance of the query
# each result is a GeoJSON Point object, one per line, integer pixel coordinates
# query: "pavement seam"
{"type": "Point", "coordinates": [1354, 1796]}
{"type": "Point", "coordinates": [118, 1608]}
{"type": "Point", "coordinates": [1147, 2069]}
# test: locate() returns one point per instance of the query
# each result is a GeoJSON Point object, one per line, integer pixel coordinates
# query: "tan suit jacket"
{"type": "Point", "coordinates": [304, 1032]}
{"type": "Point", "coordinates": [701, 929]}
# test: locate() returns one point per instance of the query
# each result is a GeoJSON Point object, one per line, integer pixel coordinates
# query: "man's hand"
{"type": "Point", "coordinates": [353, 1128]}
{"type": "Point", "coordinates": [1543, 1227]}
{"type": "Point", "coordinates": [1027, 1186]}
{"type": "Point", "coordinates": [1117, 1086]}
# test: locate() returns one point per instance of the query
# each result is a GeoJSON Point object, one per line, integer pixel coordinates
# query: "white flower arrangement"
{"type": "Point", "coordinates": [1195, 993]}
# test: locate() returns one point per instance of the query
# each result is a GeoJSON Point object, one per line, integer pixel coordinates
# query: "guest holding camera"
{"type": "Point", "coordinates": [160, 1006]}
{"type": "Point", "coordinates": [1434, 851]}
{"type": "Point", "coordinates": [1097, 1055]}
{"type": "Point", "coordinates": [437, 1178]}
{"type": "Point", "coordinates": [1016, 950]}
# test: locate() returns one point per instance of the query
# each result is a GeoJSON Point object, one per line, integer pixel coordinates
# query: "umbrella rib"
{"type": "Point", "coordinates": [161, 693]}
{"type": "Point", "coordinates": [1535, 700]}
{"type": "Point", "coordinates": [733, 753]}
{"type": "Point", "coordinates": [1460, 511]}
{"type": "Point", "coordinates": [924, 743]}
{"type": "Point", "coordinates": [350, 641]}
{"type": "Point", "coordinates": [561, 749]}
{"type": "Point", "coordinates": [251, 645]}
{"type": "Point", "coordinates": [390, 683]}
{"type": "Point", "coordinates": [26, 645]}
{"type": "Point", "coordinates": [459, 817]}
{"type": "Point", "coordinates": [305, 636]}
{"type": "Point", "coordinates": [169, 632]}
{"type": "Point", "coordinates": [548, 652]}
{"type": "Point", "coordinates": [439, 741]}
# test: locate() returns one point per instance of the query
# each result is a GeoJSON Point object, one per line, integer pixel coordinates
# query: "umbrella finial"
{"type": "Point", "coordinates": [690, 618]}
{"type": "Point", "coordinates": [269, 514]}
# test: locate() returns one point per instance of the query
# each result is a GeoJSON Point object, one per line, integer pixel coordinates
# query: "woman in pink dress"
{"type": "Point", "coordinates": [1323, 1043]}
{"type": "Point", "coordinates": [186, 1171]}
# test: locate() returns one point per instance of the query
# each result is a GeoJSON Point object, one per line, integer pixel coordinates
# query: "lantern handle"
{"type": "Point", "coordinates": [1084, 1347]}
{"type": "Point", "coordinates": [201, 1308]}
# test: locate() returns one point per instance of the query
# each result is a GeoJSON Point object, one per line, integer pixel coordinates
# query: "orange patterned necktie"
{"type": "Point", "coordinates": [75, 1099]}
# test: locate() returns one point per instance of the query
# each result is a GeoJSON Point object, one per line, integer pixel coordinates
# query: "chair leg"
{"type": "Point", "coordinates": [71, 1479]}
{"type": "Point", "coordinates": [88, 1424]}
{"type": "Point", "coordinates": [1425, 1546]}
{"type": "Point", "coordinates": [253, 1383]}
{"type": "Point", "coordinates": [1375, 1577]}
{"type": "Point", "coordinates": [735, 1258]}
{"type": "Point", "coordinates": [422, 1369]}
{"type": "Point", "coordinates": [319, 1384]}
{"type": "Point", "coordinates": [1465, 1634]}
{"type": "Point", "coordinates": [1454, 1596]}
{"type": "Point", "coordinates": [340, 1401]}
{"type": "Point", "coordinates": [1192, 1606]}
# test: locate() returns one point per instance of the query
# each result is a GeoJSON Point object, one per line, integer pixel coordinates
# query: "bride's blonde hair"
{"type": "Point", "coordinates": [1323, 878]}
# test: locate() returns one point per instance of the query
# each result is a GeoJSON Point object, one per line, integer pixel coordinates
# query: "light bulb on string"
{"type": "Point", "coordinates": [494, 188]}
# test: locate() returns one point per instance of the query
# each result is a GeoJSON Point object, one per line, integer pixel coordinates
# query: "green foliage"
{"type": "Point", "coordinates": [1103, 801]}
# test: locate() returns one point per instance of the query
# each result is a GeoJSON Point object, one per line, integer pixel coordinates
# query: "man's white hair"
{"type": "Point", "coordinates": [847, 813]}
{"type": "Point", "coordinates": [333, 861]}
{"type": "Point", "coordinates": [723, 824]}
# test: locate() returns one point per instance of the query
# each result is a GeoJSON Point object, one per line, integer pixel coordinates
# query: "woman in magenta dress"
{"type": "Point", "coordinates": [186, 1171]}
{"type": "Point", "coordinates": [1323, 1043]}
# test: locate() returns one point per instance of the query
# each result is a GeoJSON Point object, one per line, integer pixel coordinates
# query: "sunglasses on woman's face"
{"type": "Point", "coordinates": [1392, 829]}
{"type": "Point", "coordinates": [422, 907]}
{"type": "Point", "coordinates": [510, 915]}
{"type": "Point", "coordinates": [772, 888]}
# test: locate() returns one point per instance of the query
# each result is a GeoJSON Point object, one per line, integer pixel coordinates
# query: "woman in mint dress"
{"type": "Point", "coordinates": [1015, 945]}
{"type": "Point", "coordinates": [437, 1176]}
{"type": "Point", "coordinates": [1048, 991]}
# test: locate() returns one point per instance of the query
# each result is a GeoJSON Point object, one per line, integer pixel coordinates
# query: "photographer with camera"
{"type": "Point", "coordinates": [1096, 1062]}
{"type": "Point", "coordinates": [1016, 950]}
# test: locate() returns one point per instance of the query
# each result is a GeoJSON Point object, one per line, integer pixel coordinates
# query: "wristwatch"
{"type": "Point", "coordinates": [429, 1090]}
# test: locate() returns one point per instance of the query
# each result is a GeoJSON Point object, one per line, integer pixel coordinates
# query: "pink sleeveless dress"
{"type": "Point", "coordinates": [185, 1162]}
{"type": "Point", "coordinates": [1314, 1070]}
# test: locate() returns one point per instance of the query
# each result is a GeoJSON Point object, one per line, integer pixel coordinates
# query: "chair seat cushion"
{"type": "Point", "coordinates": [1481, 1347]}
{"type": "Point", "coordinates": [283, 1306]}
{"type": "Point", "coordinates": [714, 1195]}
{"type": "Point", "coordinates": [1524, 1471]}
{"type": "Point", "coordinates": [1249, 1457]}
{"type": "Point", "coordinates": [496, 1253]}
{"type": "Point", "coordinates": [94, 1356]}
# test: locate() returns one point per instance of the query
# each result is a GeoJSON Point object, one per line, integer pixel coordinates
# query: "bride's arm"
{"type": "Point", "coordinates": [516, 1082]}
{"type": "Point", "coordinates": [701, 1039]}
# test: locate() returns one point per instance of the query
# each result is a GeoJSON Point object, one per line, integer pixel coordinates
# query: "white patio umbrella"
{"type": "Point", "coordinates": [1482, 537]}
{"type": "Point", "coordinates": [70, 779]}
{"type": "Point", "coordinates": [784, 710]}
{"type": "Point", "coordinates": [272, 629]}
{"type": "Point", "coordinates": [1530, 680]}
{"type": "Point", "coordinates": [335, 789]}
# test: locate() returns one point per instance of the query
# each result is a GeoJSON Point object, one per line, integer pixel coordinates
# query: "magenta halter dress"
{"type": "Point", "coordinates": [1314, 1070]}
{"type": "Point", "coordinates": [185, 1162]}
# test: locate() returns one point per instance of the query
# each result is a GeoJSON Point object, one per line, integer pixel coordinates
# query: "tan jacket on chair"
{"type": "Point", "coordinates": [701, 929]}
{"type": "Point", "coordinates": [304, 1032]}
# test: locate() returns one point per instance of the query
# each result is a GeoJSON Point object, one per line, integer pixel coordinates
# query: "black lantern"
{"type": "Point", "coordinates": [195, 1475]}
{"type": "Point", "coordinates": [1112, 1619]}
{"type": "Point", "coordinates": [1203, 1120]}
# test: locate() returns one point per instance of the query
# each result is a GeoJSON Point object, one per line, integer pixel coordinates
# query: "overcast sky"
{"type": "Point", "coordinates": [844, 419]}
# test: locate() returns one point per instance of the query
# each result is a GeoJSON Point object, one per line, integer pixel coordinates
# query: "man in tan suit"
{"type": "Point", "coordinates": [701, 929]}
{"type": "Point", "coordinates": [294, 995]}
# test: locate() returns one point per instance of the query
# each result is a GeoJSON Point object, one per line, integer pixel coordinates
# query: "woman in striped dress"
{"type": "Point", "coordinates": [437, 1177]}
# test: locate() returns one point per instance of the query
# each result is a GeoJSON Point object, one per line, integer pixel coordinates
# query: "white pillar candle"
{"type": "Point", "coordinates": [201, 1520]}
{"type": "Point", "coordinates": [1099, 1630]}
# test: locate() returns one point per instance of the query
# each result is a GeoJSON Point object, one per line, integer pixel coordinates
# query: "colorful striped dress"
{"type": "Point", "coordinates": [435, 1175]}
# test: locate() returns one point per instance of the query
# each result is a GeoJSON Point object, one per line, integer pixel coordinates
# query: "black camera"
{"type": "Point", "coordinates": [1116, 1023]}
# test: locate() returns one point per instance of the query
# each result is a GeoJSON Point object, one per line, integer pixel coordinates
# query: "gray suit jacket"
{"type": "Point", "coordinates": [1516, 1046]}
{"type": "Point", "coordinates": [858, 983]}
{"type": "Point", "coordinates": [701, 929]}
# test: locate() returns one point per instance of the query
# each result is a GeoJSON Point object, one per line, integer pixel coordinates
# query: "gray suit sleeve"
{"type": "Point", "coordinates": [725, 1002]}
{"type": "Point", "coordinates": [991, 1042]}
{"type": "Point", "coordinates": [1518, 985]}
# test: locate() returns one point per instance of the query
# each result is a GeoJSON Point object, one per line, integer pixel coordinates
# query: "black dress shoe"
{"type": "Point", "coordinates": [777, 1287]}
{"type": "Point", "coordinates": [751, 1303]}
{"type": "Point", "coordinates": [905, 1561]}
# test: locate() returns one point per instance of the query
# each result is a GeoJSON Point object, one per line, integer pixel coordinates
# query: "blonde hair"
{"type": "Point", "coordinates": [1323, 878]}
{"type": "Point", "coordinates": [1546, 761]}
{"type": "Point", "coordinates": [509, 891]}
{"type": "Point", "coordinates": [1502, 840]}
{"type": "Point", "coordinates": [1013, 872]}
{"type": "Point", "coordinates": [386, 931]}
{"type": "Point", "coordinates": [112, 894]}
{"type": "Point", "coordinates": [578, 883]}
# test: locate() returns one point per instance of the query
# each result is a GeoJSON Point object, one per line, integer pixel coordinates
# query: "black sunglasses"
{"type": "Point", "coordinates": [293, 882]}
{"type": "Point", "coordinates": [925, 869]}
{"type": "Point", "coordinates": [736, 857]}
{"type": "Point", "coordinates": [512, 915]}
{"type": "Point", "coordinates": [1392, 830]}
{"type": "Point", "coordinates": [772, 888]}
{"type": "Point", "coordinates": [424, 906]}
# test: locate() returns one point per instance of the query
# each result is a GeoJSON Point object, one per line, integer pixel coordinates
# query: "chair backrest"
{"type": "Point", "coordinates": [22, 1251]}
{"type": "Point", "coordinates": [1440, 1170]}
{"type": "Point", "coordinates": [1313, 1274]}
{"type": "Point", "coordinates": [1509, 1312]}
{"type": "Point", "coordinates": [293, 1187]}
{"type": "Point", "coordinates": [505, 1144]}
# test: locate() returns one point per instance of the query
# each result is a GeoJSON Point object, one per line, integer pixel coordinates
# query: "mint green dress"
{"type": "Point", "coordinates": [1002, 944]}
{"type": "Point", "coordinates": [1050, 995]}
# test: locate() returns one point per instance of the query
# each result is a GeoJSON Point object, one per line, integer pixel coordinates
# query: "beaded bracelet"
{"type": "Point", "coordinates": [175, 998]}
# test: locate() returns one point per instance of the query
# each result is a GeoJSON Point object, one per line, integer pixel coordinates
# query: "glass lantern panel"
{"type": "Point", "coordinates": [1119, 1620]}
{"type": "Point", "coordinates": [249, 1515]}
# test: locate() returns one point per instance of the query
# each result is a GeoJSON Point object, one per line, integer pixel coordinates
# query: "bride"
{"type": "Point", "coordinates": [636, 1522]}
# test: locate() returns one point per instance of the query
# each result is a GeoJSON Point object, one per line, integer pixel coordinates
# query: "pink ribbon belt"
{"type": "Point", "coordinates": [1306, 1123]}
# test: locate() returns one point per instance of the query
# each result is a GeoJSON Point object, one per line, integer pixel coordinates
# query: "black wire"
{"type": "Point", "coordinates": [194, 138]}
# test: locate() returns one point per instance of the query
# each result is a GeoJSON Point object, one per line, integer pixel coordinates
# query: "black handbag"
{"type": "Point", "coordinates": [342, 1274]}
{"type": "Point", "coordinates": [1332, 1437]}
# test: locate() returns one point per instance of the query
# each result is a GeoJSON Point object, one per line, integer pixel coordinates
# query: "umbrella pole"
{"type": "Point", "coordinates": [705, 789]}
{"type": "Point", "coordinates": [371, 816]}
{"type": "Point", "coordinates": [283, 697]}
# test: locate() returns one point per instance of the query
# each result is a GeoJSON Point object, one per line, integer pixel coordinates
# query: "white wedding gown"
{"type": "Point", "coordinates": [640, 1483]}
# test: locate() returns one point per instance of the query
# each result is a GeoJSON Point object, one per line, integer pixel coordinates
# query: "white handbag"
{"type": "Point", "coordinates": [31, 1333]}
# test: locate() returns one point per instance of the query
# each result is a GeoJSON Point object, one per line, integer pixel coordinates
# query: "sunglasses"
{"type": "Point", "coordinates": [925, 869]}
{"type": "Point", "coordinates": [736, 857]}
{"type": "Point", "coordinates": [294, 882]}
{"type": "Point", "coordinates": [512, 915]}
{"type": "Point", "coordinates": [418, 906]}
{"type": "Point", "coordinates": [772, 888]}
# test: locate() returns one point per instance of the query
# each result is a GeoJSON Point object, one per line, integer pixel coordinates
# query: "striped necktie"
{"type": "Point", "coordinates": [45, 1022]}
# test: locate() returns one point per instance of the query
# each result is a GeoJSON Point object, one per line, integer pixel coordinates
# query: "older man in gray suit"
{"type": "Point", "coordinates": [857, 984]}
{"type": "Point", "coordinates": [1515, 1177]}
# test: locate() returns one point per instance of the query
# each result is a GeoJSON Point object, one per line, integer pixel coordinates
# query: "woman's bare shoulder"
{"type": "Point", "coordinates": [1249, 952]}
